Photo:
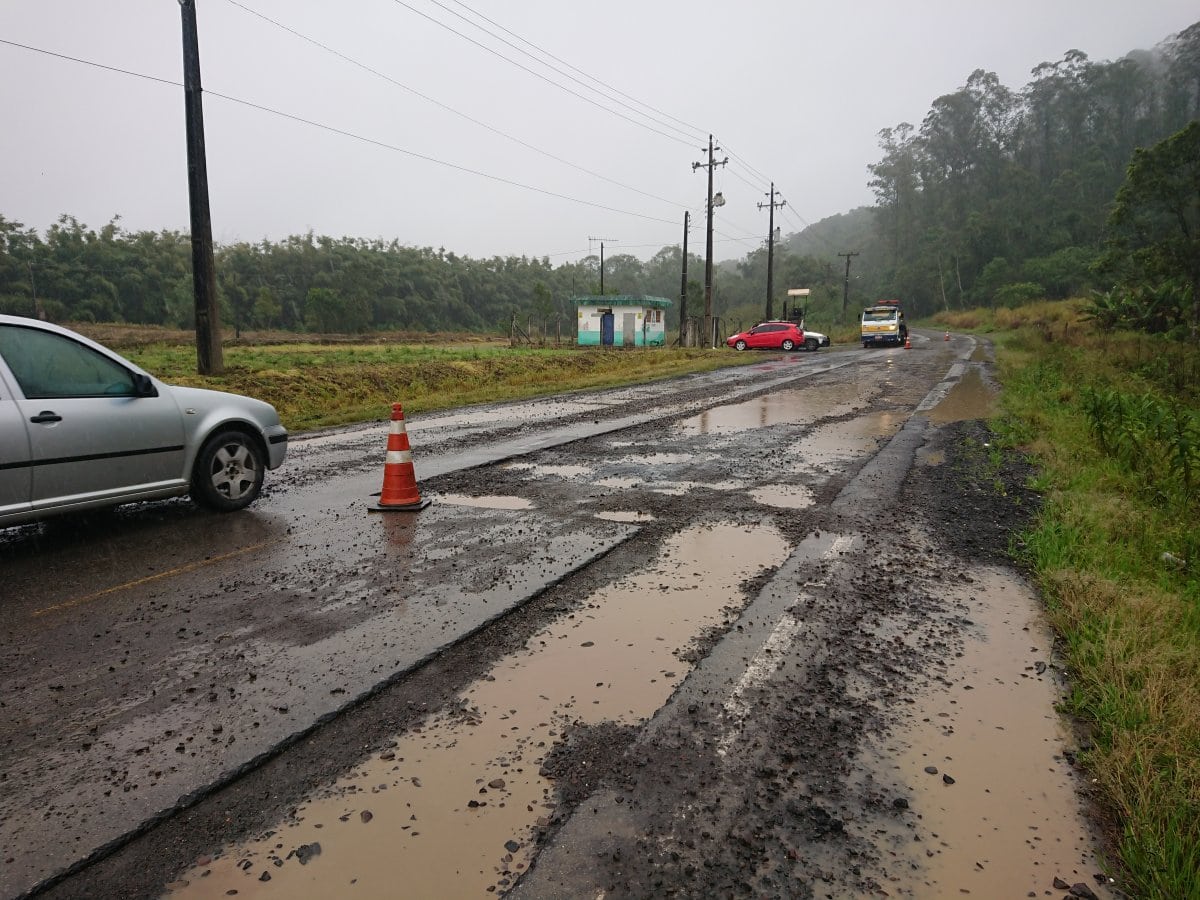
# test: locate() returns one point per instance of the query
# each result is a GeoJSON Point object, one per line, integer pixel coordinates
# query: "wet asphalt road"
{"type": "Point", "coordinates": [154, 652]}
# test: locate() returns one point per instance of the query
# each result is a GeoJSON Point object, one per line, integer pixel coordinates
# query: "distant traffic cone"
{"type": "Point", "coordinates": [399, 478]}
{"type": "Point", "coordinates": [907, 343]}
{"type": "Point", "coordinates": [947, 337]}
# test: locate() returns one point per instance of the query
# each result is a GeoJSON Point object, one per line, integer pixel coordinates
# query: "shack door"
{"type": "Point", "coordinates": [606, 329]}
{"type": "Point", "coordinates": [629, 330]}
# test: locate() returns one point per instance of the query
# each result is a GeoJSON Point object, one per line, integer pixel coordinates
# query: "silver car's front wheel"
{"type": "Point", "coordinates": [228, 474]}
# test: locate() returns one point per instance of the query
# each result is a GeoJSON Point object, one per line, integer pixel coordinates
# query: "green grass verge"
{"type": "Point", "coordinates": [314, 385]}
{"type": "Point", "coordinates": [1128, 616]}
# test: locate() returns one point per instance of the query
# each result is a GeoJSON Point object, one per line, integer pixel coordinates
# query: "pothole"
{"type": "Point", "coordinates": [783, 496]}
{"type": "Point", "coordinates": [843, 441]}
{"type": "Point", "coordinates": [780, 408]}
{"type": "Point", "coordinates": [983, 761]}
{"type": "Point", "coordinates": [625, 515]}
{"type": "Point", "coordinates": [451, 808]}
{"type": "Point", "coordinates": [543, 471]}
{"type": "Point", "coordinates": [968, 399]}
{"type": "Point", "coordinates": [486, 501]}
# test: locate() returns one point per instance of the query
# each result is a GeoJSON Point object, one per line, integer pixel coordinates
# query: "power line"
{"type": "Point", "coordinates": [362, 138]}
{"type": "Point", "coordinates": [448, 108]}
{"type": "Point", "coordinates": [555, 69]}
{"type": "Point", "coordinates": [699, 131]}
{"type": "Point", "coordinates": [88, 62]}
{"type": "Point", "coordinates": [747, 165]}
{"type": "Point", "coordinates": [441, 162]}
{"type": "Point", "coordinates": [540, 76]}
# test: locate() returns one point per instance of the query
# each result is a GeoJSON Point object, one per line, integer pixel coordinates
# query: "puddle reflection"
{"type": "Point", "coordinates": [790, 407]}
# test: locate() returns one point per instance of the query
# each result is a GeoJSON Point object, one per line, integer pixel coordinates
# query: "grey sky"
{"type": "Point", "coordinates": [797, 90]}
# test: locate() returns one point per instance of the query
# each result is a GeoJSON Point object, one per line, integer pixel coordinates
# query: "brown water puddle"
{"type": "Point", "coordinates": [625, 515]}
{"type": "Point", "coordinates": [1010, 821]}
{"type": "Point", "coordinates": [842, 441]}
{"type": "Point", "coordinates": [783, 496]}
{"type": "Point", "coordinates": [780, 408]}
{"type": "Point", "coordinates": [543, 471]}
{"type": "Point", "coordinates": [487, 501]}
{"type": "Point", "coordinates": [449, 809]}
{"type": "Point", "coordinates": [618, 482]}
{"type": "Point", "coordinates": [969, 399]}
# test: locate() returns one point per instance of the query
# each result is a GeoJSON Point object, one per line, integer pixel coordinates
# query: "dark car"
{"type": "Point", "coordinates": [768, 336]}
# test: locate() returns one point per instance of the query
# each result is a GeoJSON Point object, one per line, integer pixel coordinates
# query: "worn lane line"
{"type": "Point", "coordinates": [87, 598]}
{"type": "Point", "coordinates": [768, 659]}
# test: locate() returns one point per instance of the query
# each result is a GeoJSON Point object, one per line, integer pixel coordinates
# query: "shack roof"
{"type": "Point", "coordinates": [621, 300]}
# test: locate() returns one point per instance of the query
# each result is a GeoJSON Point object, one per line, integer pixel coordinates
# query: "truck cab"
{"type": "Point", "coordinates": [883, 324]}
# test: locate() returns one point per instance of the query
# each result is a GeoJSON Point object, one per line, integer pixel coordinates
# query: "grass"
{"type": "Point", "coordinates": [1128, 616]}
{"type": "Point", "coordinates": [314, 384]}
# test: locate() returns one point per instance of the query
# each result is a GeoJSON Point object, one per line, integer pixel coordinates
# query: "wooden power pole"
{"type": "Point", "coordinates": [209, 360]}
{"type": "Point", "coordinates": [771, 252]}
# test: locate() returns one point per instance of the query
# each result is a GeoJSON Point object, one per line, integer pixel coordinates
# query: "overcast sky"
{"type": "Point", "coordinates": [793, 91]}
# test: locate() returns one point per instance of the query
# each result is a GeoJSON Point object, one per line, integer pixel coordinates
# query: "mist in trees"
{"type": "Point", "coordinates": [1001, 195]}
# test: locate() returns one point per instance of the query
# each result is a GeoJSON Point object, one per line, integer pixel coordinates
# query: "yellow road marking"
{"type": "Point", "coordinates": [78, 601]}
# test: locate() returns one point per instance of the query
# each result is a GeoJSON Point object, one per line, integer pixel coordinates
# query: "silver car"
{"type": "Point", "coordinates": [81, 427]}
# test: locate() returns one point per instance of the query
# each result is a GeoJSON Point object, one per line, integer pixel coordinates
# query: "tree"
{"type": "Point", "coordinates": [1154, 229]}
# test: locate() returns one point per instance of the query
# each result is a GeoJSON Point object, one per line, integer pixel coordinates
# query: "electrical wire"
{"type": "Point", "coordinates": [540, 76]}
{"type": "Point", "coordinates": [339, 131]}
{"type": "Point", "coordinates": [700, 132]}
{"type": "Point", "coordinates": [448, 108]}
{"type": "Point", "coordinates": [557, 70]}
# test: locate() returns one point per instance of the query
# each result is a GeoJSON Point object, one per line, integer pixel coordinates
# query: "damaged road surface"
{"type": "Point", "coordinates": [752, 633]}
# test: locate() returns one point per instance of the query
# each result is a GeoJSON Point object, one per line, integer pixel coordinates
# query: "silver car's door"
{"type": "Point", "coordinates": [91, 436]}
{"type": "Point", "coordinates": [15, 478]}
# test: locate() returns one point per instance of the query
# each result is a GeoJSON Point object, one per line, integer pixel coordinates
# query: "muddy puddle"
{"type": "Point", "coordinates": [783, 496]}
{"type": "Point", "coordinates": [969, 399]}
{"type": "Point", "coordinates": [618, 482]}
{"type": "Point", "coordinates": [449, 809]}
{"type": "Point", "coordinates": [781, 408]}
{"type": "Point", "coordinates": [840, 442]}
{"type": "Point", "coordinates": [625, 515]}
{"type": "Point", "coordinates": [545, 471]}
{"type": "Point", "coordinates": [982, 762]}
{"type": "Point", "coordinates": [486, 501]}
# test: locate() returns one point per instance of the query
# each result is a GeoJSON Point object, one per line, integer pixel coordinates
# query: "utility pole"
{"type": "Point", "coordinates": [683, 285]}
{"type": "Point", "coordinates": [601, 240]}
{"type": "Point", "coordinates": [771, 252]}
{"type": "Point", "coordinates": [204, 283]}
{"type": "Point", "coordinates": [846, 288]}
{"type": "Point", "coordinates": [708, 249]}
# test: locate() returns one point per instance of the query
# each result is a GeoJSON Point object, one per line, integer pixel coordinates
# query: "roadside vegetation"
{"type": "Point", "coordinates": [334, 382]}
{"type": "Point", "coordinates": [1112, 417]}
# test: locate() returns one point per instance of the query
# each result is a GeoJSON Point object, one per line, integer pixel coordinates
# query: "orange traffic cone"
{"type": "Point", "coordinates": [399, 478]}
{"type": "Point", "coordinates": [907, 343]}
{"type": "Point", "coordinates": [947, 337]}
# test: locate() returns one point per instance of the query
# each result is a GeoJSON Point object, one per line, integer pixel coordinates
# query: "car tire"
{"type": "Point", "coordinates": [228, 474]}
{"type": "Point", "coordinates": [812, 344]}
{"type": "Point", "coordinates": [788, 345]}
{"type": "Point", "coordinates": [740, 345]}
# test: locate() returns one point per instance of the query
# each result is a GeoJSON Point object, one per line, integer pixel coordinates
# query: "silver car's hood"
{"type": "Point", "coordinates": [203, 401]}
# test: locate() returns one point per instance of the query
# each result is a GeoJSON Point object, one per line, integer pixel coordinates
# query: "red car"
{"type": "Point", "coordinates": [768, 336]}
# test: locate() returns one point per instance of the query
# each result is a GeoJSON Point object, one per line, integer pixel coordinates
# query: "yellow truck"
{"type": "Point", "coordinates": [883, 323]}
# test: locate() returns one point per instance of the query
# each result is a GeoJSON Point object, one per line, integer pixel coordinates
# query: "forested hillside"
{"type": "Point", "coordinates": [1000, 195]}
{"type": "Point", "coordinates": [1003, 195]}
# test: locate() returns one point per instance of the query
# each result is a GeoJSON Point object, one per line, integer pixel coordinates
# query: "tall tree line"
{"type": "Point", "coordinates": [346, 285]}
{"type": "Point", "coordinates": [1003, 195]}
